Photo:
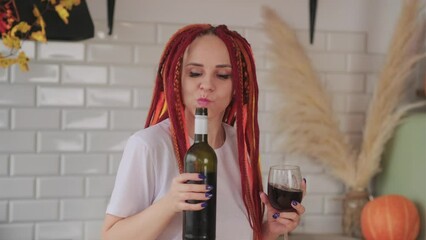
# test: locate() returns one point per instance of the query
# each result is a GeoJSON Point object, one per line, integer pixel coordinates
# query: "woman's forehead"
{"type": "Point", "coordinates": [210, 46]}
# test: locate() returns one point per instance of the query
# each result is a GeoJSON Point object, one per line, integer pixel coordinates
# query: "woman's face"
{"type": "Point", "coordinates": [207, 76]}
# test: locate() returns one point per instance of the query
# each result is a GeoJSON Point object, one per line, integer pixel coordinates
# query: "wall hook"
{"type": "Point", "coordinates": [111, 6]}
{"type": "Point", "coordinates": [312, 16]}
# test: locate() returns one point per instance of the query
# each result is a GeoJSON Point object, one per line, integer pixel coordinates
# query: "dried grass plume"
{"type": "Point", "coordinates": [306, 122]}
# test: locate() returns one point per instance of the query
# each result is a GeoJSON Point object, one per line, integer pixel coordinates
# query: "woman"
{"type": "Point", "coordinates": [202, 66]}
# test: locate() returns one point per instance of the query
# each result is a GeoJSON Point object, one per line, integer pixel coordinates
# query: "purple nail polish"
{"type": "Point", "coordinates": [208, 195]}
{"type": "Point", "coordinates": [276, 215]}
{"type": "Point", "coordinates": [201, 176]}
{"type": "Point", "coordinates": [204, 204]}
{"type": "Point", "coordinates": [209, 187]}
{"type": "Point", "coordinates": [294, 203]}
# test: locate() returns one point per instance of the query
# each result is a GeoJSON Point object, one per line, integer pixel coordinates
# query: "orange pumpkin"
{"type": "Point", "coordinates": [390, 217]}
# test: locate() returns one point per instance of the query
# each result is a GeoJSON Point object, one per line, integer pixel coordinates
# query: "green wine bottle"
{"type": "Point", "coordinates": [201, 158]}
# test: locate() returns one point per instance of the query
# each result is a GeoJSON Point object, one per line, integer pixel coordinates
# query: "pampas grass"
{"type": "Point", "coordinates": [306, 122]}
{"type": "Point", "coordinates": [384, 115]}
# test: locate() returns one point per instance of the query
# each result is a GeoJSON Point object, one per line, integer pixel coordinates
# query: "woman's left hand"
{"type": "Point", "coordinates": [282, 222]}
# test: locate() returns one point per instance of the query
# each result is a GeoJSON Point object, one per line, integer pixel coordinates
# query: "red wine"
{"type": "Point", "coordinates": [280, 197]}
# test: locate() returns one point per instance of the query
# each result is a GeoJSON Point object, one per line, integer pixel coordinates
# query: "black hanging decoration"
{"type": "Point", "coordinates": [111, 6]}
{"type": "Point", "coordinates": [79, 27]}
{"type": "Point", "coordinates": [312, 16]}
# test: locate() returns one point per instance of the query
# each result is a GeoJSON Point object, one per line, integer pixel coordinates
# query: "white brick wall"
{"type": "Point", "coordinates": [48, 73]}
{"type": "Point", "coordinates": [17, 141]}
{"type": "Point", "coordinates": [61, 51]}
{"type": "Point", "coordinates": [81, 74]}
{"type": "Point", "coordinates": [4, 118]}
{"type": "Point", "coordinates": [17, 231]}
{"type": "Point", "coordinates": [83, 209]}
{"type": "Point", "coordinates": [16, 187]}
{"type": "Point", "coordinates": [84, 119]}
{"type": "Point", "coordinates": [4, 164]}
{"type": "Point", "coordinates": [3, 75]}
{"type": "Point", "coordinates": [33, 118]}
{"type": "Point", "coordinates": [59, 230]}
{"type": "Point", "coordinates": [64, 124]}
{"type": "Point", "coordinates": [41, 210]}
{"type": "Point", "coordinates": [60, 96]}
{"type": "Point", "coordinates": [3, 211]}
{"type": "Point", "coordinates": [74, 164]}
{"type": "Point", "coordinates": [34, 164]}
{"type": "Point", "coordinates": [17, 95]}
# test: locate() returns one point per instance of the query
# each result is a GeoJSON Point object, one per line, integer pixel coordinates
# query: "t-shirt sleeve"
{"type": "Point", "coordinates": [134, 184]}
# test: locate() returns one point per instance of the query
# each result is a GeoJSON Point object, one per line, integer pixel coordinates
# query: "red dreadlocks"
{"type": "Point", "coordinates": [167, 103]}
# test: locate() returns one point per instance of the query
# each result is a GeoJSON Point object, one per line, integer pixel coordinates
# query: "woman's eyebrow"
{"type": "Point", "coordinates": [194, 64]}
{"type": "Point", "coordinates": [224, 66]}
{"type": "Point", "coordinates": [201, 65]}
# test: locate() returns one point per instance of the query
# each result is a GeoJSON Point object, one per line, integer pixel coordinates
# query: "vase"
{"type": "Point", "coordinates": [353, 203]}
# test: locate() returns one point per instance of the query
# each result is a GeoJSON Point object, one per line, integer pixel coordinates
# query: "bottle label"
{"type": "Point", "coordinates": [200, 124]}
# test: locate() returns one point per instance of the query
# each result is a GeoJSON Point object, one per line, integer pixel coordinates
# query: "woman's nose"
{"type": "Point", "coordinates": [206, 84]}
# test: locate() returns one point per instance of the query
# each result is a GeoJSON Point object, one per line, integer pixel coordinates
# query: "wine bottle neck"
{"type": "Point", "coordinates": [200, 128]}
{"type": "Point", "coordinates": [200, 138]}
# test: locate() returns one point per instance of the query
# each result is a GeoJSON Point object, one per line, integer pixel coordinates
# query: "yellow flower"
{"type": "Point", "coordinates": [12, 38]}
{"type": "Point", "coordinates": [68, 4]}
{"type": "Point", "coordinates": [62, 12]}
{"type": "Point", "coordinates": [23, 61]}
{"type": "Point", "coordinates": [40, 21]}
{"type": "Point", "coordinates": [11, 41]}
{"type": "Point", "coordinates": [22, 27]}
{"type": "Point", "coordinates": [63, 7]}
{"type": "Point", "coordinates": [39, 36]}
{"type": "Point", "coordinates": [5, 62]}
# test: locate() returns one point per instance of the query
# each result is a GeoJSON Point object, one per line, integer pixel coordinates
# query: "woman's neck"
{"type": "Point", "coordinates": [216, 135]}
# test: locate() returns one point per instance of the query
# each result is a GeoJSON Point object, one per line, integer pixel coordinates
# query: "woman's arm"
{"type": "Point", "coordinates": [152, 221]}
{"type": "Point", "coordinates": [147, 224]}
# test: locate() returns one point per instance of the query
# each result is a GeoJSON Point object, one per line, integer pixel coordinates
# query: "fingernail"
{"type": "Point", "coordinates": [204, 204]}
{"type": "Point", "coordinates": [208, 195]}
{"type": "Point", "coordinates": [201, 176]}
{"type": "Point", "coordinates": [276, 215]}
{"type": "Point", "coordinates": [294, 203]}
{"type": "Point", "coordinates": [209, 187]}
{"type": "Point", "coordinates": [304, 179]}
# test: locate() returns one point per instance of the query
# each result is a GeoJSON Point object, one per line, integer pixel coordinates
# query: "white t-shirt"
{"type": "Point", "coordinates": [147, 168]}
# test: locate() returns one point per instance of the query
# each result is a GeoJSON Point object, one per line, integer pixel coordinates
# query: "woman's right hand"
{"type": "Point", "coordinates": [180, 192]}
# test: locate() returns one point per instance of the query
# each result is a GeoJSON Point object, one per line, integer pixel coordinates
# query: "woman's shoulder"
{"type": "Point", "coordinates": [152, 146]}
{"type": "Point", "coordinates": [153, 135]}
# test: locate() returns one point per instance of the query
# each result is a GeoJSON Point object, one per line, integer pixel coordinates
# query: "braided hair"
{"type": "Point", "coordinates": [242, 110]}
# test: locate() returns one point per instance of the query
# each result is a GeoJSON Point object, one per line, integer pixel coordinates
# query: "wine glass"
{"type": "Point", "coordinates": [284, 186]}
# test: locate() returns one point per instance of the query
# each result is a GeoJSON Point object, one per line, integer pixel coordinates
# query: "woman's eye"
{"type": "Point", "coordinates": [224, 76]}
{"type": "Point", "coordinates": [194, 74]}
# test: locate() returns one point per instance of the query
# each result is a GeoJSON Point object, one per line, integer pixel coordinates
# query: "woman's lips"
{"type": "Point", "coordinates": [203, 102]}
